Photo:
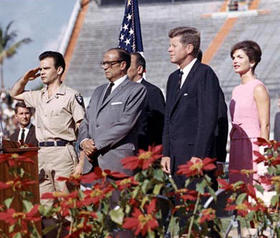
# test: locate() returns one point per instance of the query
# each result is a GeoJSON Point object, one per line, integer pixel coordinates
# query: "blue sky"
{"type": "Point", "coordinates": [44, 21]}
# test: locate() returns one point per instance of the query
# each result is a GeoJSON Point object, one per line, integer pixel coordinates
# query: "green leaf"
{"type": "Point", "coordinates": [135, 192]}
{"type": "Point", "coordinates": [17, 235]}
{"type": "Point", "coordinates": [145, 186]}
{"type": "Point", "coordinates": [11, 228]}
{"type": "Point", "coordinates": [259, 188]}
{"type": "Point", "coordinates": [274, 200]}
{"type": "Point", "coordinates": [8, 202]}
{"type": "Point", "coordinates": [173, 227]}
{"type": "Point", "coordinates": [151, 234]}
{"type": "Point", "coordinates": [241, 198]}
{"type": "Point", "coordinates": [212, 192]}
{"type": "Point", "coordinates": [144, 200]}
{"type": "Point", "coordinates": [200, 187]}
{"type": "Point", "coordinates": [157, 189]}
{"type": "Point", "coordinates": [27, 205]}
{"type": "Point", "coordinates": [117, 215]}
{"type": "Point", "coordinates": [158, 175]}
{"type": "Point", "coordinates": [127, 208]}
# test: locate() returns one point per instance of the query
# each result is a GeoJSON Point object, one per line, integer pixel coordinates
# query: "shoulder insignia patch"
{"type": "Point", "coordinates": [80, 100]}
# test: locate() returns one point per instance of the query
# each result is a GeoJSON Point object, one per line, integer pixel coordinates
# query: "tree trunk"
{"type": "Point", "coordinates": [2, 76]}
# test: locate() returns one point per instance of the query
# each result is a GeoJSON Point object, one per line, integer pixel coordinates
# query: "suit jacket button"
{"type": "Point", "coordinates": [97, 125]}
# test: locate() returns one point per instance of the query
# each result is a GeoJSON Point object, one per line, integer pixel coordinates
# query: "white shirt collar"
{"type": "Point", "coordinates": [118, 82]}
{"type": "Point", "coordinates": [186, 71]}
{"type": "Point", "coordinates": [139, 80]}
{"type": "Point", "coordinates": [26, 131]}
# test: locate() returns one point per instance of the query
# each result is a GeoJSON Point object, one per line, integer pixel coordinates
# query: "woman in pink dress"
{"type": "Point", "coordinates": [249, 109]}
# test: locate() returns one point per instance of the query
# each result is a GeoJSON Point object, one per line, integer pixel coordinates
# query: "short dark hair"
{"type": "Point", "coordinates": [189, 35]}
{"type": "Point", "coordinates": [57, 57]}
{"type": "Point", "coordinates": [123, 56]}
{"type": "Point", "coordinates": [251, 49]}
{"type": "Point", "coordinates": [140, 60]}
{"type": "Point", "coordinates": [21, 104]}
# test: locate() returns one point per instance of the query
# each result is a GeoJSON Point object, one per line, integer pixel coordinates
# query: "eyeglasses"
{"type": "Point", "coordinates": [109, 63]}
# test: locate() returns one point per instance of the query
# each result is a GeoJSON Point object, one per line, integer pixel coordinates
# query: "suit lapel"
{"type": "Point", "coordinates": [116, 91]}
{"type": "Point", "coordinates": [28, 137]}
{"type": "Point", "coordinates": [185, 86]}
{"type": "Point", "coordinates": [99, 98]}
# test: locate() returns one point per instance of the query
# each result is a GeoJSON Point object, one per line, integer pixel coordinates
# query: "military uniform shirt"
{"type": "Point", "coordinates": [55, 117]}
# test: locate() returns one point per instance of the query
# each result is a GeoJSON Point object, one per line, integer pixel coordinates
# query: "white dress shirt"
{"type": "Point", "coordinates": [186, 71]}
{"type": "Point", "coordinates": [26, 131]}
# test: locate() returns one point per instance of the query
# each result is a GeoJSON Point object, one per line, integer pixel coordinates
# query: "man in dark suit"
{"type": "Point", "coordinates": [25, 133]}
{"type": "Point", "coordinates": [277, 127]}
{"type": "Point", "coordinates": [109, 131]}
{"type": "Point", "coordinates": [192, 101]}
{"type": "Point", "coordinates": [152, 118]}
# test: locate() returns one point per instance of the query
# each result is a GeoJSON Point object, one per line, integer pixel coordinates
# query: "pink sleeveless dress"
{"type": "Point", "coordinates": [244, 132]}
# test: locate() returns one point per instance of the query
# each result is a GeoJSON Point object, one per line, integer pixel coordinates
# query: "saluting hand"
{"type": "Point", "coordinates": [32, 74]}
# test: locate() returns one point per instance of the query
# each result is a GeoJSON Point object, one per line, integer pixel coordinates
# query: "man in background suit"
{"type": "Point", "coordinates": [152, 118]}
{"type": "Point", "coordinates": [25, 133]}
{"type": "Point", "coordinates": [277, 125]}
{"type": "Point", "coordinates": [221, 131]}
{"type": "Point", "coordinates": [109, 132]}
{"type": "Point", "coordinates": [192, 97]}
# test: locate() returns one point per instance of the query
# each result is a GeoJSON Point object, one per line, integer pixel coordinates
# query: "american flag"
{"type": "Point", "coordinates": [130, 35]}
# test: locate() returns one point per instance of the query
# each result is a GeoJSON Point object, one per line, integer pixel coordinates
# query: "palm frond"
{"type": "Point", "coordinates": [7, 53]}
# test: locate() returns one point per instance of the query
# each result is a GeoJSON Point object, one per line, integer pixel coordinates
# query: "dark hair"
{"type": "Point", "coordinates": [251, 49]}
{"type": "Point", "coordinates": [123, 56]}
{"type": "Point", "coordinates": [189, 35]}
{"type": "Point", "coordinates": [57, 57]}
{"type": "Point", "coordinates": [21, 104]}
{"type": "Point", "coordinates": [140, 60]}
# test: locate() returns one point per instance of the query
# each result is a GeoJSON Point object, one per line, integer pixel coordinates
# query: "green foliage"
{"type": "Point", "coordinates": [149, 203]}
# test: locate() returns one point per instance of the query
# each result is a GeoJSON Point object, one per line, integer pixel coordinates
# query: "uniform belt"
{"type": "Point", "coordinates": [55, 143]}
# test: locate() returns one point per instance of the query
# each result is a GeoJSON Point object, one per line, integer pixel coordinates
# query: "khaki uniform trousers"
{"type": "Point", "coordinates": [54, 162]}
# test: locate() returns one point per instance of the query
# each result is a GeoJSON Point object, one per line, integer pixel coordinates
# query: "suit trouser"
{"type": "Point", "coordinates": [55, 161]}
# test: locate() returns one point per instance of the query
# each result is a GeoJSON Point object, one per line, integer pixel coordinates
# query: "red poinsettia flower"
{"type": "Point", "coordinates": [17, 184]}
{"type": "Point", "coordinates": [275, 160]}
{"type": "Point", "coordinates": [126, 183]}
{"type": "Point", "coordinates": [99, 174]}
{"type": "Point", "coordinates": [246, 172]}
{"type": "Point", "coordinates": [186, 194]}
{"type": "Point", "coordinates": [260, 158]}
{"type": "Point", "coordinates": [251, 191]}
{"type": "Point", "coordinates": [12, 217]}
{"type": "Point", "coordinates": [144, 159]}
{"type": "Point", "coordinates": [196, 167]}
{"type": "Point", "coordinates": [265, 180]}
{"type": "Point", "coordinates": [140, 222]}
{"type": "Point", "coordinates": [96, 194]}
{"type": "Point", "coordinates": [262, 142]}
{"type": "Point", "coordinates": [15, 159]}
{"type": "Point", "coordinates": [242, 209]}
{"type": "Point", "coordinates": [58, 194]}
{"type": "Point", "coordinates": [225, 185]}
{"type": "Point", "coordinates": [72, 179]}
{"type": "Point", "coordinates": [207, 215]}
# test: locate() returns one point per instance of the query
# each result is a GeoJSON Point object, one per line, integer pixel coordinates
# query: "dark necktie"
{"type": "Point", "coordinates": [108, 91]}
{"type": "Point", "coordinates": [22, 136]}
{"type": "Point", "coordinates": [180, 74]}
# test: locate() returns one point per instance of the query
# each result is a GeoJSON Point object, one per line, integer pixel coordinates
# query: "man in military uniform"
{"type": "Point", "coordinates": [59, 111]}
